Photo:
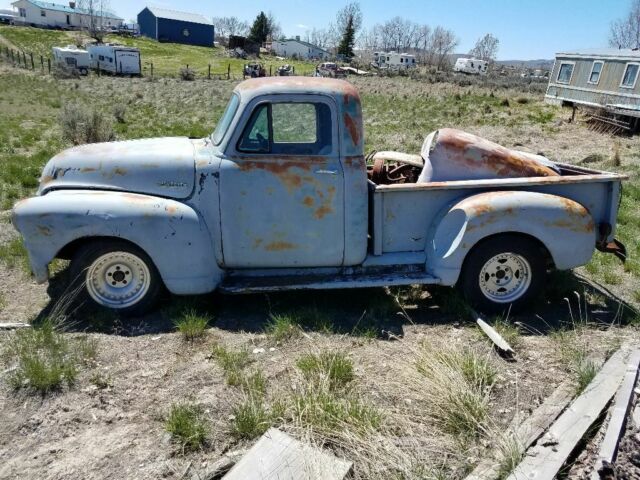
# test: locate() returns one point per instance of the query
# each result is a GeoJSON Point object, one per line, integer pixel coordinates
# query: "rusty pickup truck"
{"type": "Point", "coordinates": [282, 197]}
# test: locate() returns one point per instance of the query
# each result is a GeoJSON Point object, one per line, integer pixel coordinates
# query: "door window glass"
{"type": "Point", "coordinates": [289, 129]}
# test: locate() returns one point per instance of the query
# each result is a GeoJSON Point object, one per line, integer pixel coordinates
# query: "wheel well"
{"type": "Point", "coordinates": [69, 250]}
{"type": "Point", "coordinates": [544, 251]}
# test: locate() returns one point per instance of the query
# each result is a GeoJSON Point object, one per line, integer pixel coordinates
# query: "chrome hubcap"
{"type": "Point", "coordinates": [118, 279]}
{"type": "Point", "coordinates": [505, 277]}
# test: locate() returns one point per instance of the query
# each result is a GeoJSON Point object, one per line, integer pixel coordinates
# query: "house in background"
{"type": "Point", "coordinates": [605, 78]}
{"type": "Point", "coordinates": [294, 47]}
{"type": "Point", "coordinates": [54, 15]}
{"type": "Point", "coordinates": [177, 27]}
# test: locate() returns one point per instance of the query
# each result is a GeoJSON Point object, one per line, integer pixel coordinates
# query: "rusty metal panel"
{"type": "Point", "coordinates": [157, 166]}
{"type": "Point", "coordinates": [451, 154]}
{"type": "Point", "coordinates": [172, 233]}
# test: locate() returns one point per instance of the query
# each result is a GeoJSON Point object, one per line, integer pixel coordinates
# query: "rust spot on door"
{"type": "Point", "coordinates": [279, 246]}
{"type": "Point", "coordinates": [352, 128]}
{"type": "Point", "coordinates": [308, 201]}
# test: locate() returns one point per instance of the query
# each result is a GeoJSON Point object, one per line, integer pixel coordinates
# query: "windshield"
{"type": "Point", "coordinates": [225, 120]}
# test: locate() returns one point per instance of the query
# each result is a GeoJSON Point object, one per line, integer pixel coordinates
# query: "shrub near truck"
{"type": "Point", "coordinates": [280, 197]}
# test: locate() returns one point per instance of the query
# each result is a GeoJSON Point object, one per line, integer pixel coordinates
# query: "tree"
{"type": "Point", "coordinates": [348, 22]}
{"type": "Point", "coordinates": [625, 32]}
{"type": "Point", "coordinates": [442, 44]}
{"type": "Point", "coordinates": [228, 26]}
{"type": "Point", "coordinates": [273, 27]}
{"type": "Point", "coordinates": [486, 48]}
{"type": "Point", "coordinates": [260, 29]}
{"type": "Point", "coordinates": [92, 22]}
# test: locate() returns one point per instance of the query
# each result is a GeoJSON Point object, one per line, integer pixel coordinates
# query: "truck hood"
{"type": "Point", "coordinates": [156, 166]}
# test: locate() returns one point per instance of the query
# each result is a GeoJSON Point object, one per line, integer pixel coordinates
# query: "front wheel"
{"type": "Point", "coordinates": [116, 275]}
{"type": "Point", "coordinates": [503, 273]}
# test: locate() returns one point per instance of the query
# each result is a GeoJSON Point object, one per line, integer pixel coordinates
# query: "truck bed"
{"type": "Point", "coordinates": [401, 213]}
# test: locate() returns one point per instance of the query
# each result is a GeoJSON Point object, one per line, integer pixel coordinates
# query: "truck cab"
{"type": "Point", "coordinates": [280, 196]}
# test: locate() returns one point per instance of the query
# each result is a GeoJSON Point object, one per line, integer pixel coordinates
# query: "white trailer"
{"type": "Point", "coordinates": [72, 57]}
{"type": "Point", "coordinates": [117, 59]}
{"type": "Point", "coordinates": [393, 60]}
{"type": "Point", "coordinates": [472, 66]}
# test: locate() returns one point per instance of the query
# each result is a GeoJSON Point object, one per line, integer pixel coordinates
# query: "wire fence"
{"type": "Point", "coordinates": [211, 71]}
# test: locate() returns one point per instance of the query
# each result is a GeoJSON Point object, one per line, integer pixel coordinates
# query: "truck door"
{"type": "Point", "coordinates": [282, 185]}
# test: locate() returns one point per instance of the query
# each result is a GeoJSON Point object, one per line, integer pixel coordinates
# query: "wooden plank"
{"type": "Point", "coordinates": [552, 450]}
{"type": "Point", "coordinates": [529, 430]}
{"type": "Point", "coordinates": [277, 456]}
{"type": "Point", "coordinates": [495, 337]}
{"type": "Point", "coordinates": [619, 411]}
{"type": "Point", "coordinates": [13, 325]}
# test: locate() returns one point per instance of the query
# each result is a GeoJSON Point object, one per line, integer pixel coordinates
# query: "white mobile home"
{"type": "Point", "coordinates": [472, 66]}
{"type": "Point", "coordinates": [294, 47]}
{"type": "Point", "coordinates": [53, 15]}
{"type": "Point", "coordinates": [117, 59]}
{"type": "Point", "coordinates": [393, 60]}
{"type": "Point", "coordinates": [72, 57]}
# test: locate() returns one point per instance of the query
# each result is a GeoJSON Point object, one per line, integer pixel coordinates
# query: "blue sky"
{"type": "Point", "coordinates": [527, 29]}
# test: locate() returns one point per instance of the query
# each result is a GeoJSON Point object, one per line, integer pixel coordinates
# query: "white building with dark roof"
{"type": "Point", "coordinates": [54, 15]}
{"type": "Point", "coordinates": [294, 47]}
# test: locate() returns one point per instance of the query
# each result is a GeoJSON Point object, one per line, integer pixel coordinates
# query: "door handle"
{"type": "Point", "coordinates": [327, 172]}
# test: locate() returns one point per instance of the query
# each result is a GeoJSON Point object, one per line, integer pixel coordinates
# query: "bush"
{"type": "Point", "coordinates": [119, 112]}
{"type": "Point", "coordinates": [187, 74]}
{"type": "Point", "coordinates": [45, 359]}
{"type": "Point", "coordinates": [186, 424]}
{"type": "Point", "coordinates": [80, 126]}
{"type": "Point", "coordinates": [191, 325]}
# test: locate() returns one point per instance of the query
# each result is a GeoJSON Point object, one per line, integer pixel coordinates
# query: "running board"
{"type": "Point", "coordinates": [316, 282]}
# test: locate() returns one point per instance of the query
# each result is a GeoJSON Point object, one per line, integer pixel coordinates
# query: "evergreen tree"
{"type": "Point", "coordinates": [348, 39]}
{"type": "Point", "coordinates": [260, 29]}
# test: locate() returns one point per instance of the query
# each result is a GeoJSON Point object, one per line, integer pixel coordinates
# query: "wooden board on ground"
{"type": "Point", "coordinates": [530, 430]}
{"type": "Point", "coordinates": [500, 343]}
{"type": "Point", "coordinates": [276, 455]}
{"type": "Point", "coordinates": [543, 461]}
{"type": "Point", "coordinates": [619, 411]}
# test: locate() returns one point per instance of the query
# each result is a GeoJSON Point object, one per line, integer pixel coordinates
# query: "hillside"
{"type": "Point", "coordinates": [167, 58]}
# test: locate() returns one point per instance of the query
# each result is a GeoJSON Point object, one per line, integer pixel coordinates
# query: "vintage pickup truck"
{"type": "Point", "coordinates": [281, 197]}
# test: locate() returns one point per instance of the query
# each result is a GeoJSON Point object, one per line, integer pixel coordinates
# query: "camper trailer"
{"type": "Point", "coordinates": [72, 58]}
{"type": "Point", "coordinates": [117, 59]}
{"type": "Point", "coordinates": [472, 66]}
{"type": "Point", "coordinates": [393, 60]}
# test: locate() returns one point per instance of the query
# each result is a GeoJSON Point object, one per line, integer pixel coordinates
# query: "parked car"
{"type": "Point", "coordinates": [330, 69]}
{"type": "Point", "coordinates": [279, 197]}
{"type": "Point", "coordinates": [285, 70]}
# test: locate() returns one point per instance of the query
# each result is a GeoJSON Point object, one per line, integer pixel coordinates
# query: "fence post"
{"type": "Point", "coordinates": [49, 65]}
{"type": "Point", "coordinates": [293, 69]}
{"type": "Point", "coordinates": [33, 67]}
{"type": "Point", "coordinates": [41, 63]}
{"type": "Point", "coordinates": [209, 72]}
{"type": "Point", "coordinates": [151, 70]}
{"type": "Point", "coordinates": [98, 65]}
{"type": "Point", "coordinates": [270, 67]}
{"type": "Point", "coordinates": [228, 71]}
{"type": "Point", "coordinates": [24, 59]}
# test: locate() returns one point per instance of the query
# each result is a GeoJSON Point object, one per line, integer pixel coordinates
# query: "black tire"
{"type": "Point", "coordinates": [510, 247]}
{"type": "Point", "coordinates": [89, 253]}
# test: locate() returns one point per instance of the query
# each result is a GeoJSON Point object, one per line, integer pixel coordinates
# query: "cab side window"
{"type": "Point", "coordinates": [288, 129]}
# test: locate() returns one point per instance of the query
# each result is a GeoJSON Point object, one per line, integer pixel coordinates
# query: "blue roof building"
{"type": "Point", "coordinates": [177, 27]}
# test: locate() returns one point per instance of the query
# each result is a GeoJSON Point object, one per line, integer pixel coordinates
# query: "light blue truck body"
{"type": "Point", "coordinates": [211, 216]}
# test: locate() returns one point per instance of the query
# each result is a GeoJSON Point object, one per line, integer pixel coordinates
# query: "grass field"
{"type": "Point", "coordinates": [167, 58]}
{"type": "Point", "coordinates": [427, 405]}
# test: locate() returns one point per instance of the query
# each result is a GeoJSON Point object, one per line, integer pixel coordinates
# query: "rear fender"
{"type": "Point", "coordinates": [170, 232]}
{"type": "Point", "coordinates": [563, 226]}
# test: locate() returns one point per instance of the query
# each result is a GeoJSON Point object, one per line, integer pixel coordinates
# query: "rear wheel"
{"type": "Point", "coordinates": [503, 273]}
{"type": "Point", "coordinates": [116, 275]}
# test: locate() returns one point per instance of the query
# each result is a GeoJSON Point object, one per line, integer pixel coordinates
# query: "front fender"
{"type": "Point", "coordinates": [563, 226]}
{"type": "Point", "coordinates": [171, 233]}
